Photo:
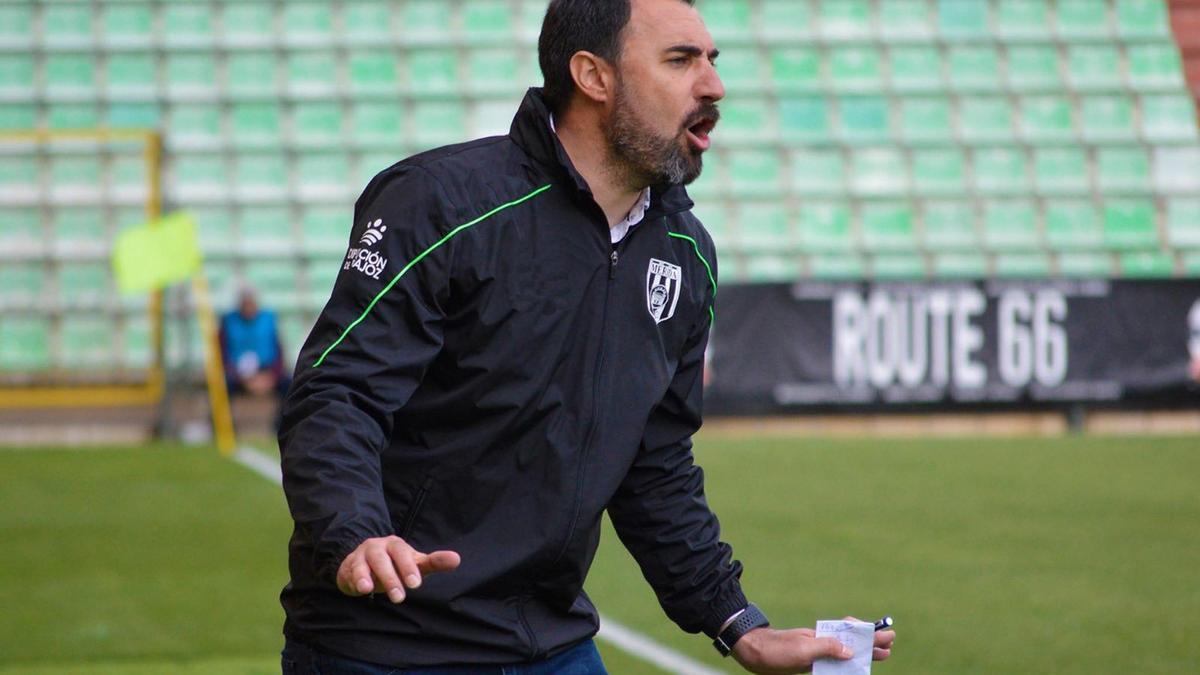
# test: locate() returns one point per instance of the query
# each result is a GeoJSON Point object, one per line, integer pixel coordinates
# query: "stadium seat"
{"type": "Point", "coordinates": [492, 117]}
{"type": "Point", "coordinates": [904, 20]}
{"type": "Point", "coordinates": [136, 350]}
{"type": "Point", "coordinates": [957, 20]}
{"type": "Point", "coordinates": [24, 343]}
{"type": "Point", "coordinates": [188, 24]}
{"type": "Point", "coordinates": [1130, 223]}
{"type": "Point", "coordinates": [1001, 170]}
{"type": "Point", "coordinates": [307, 23]}
{"type": "Point", "coordinates": [67, 24]}
{"type": "Point", "coordinates": [728, 19]}
{"type": "Point", "coordinates": [741, 69]}
{"type": "Point", "coordinates": [755, 173]}
{"type": "Point", "coordinates": [439, 122]}
{"type": "Point", "coordinates": [793, 69]}
{"type": "Point", "coordinates": [23, 232]}
{"type": "Point", "coordinates": [1080, 19]}
{"type": "Point", "coordinates": [1123, 169]}
{"type": "Point", "coordinates": [785, 20]}
{"type": "Point", "coordinates": [318, 123]}
{"type": "Point", "coordinates": [1011, 224]}
{"type": "Point", "coordinates": [898, 266]}
{"type": "Point", "coordinates": [73, 116]}
{"type": "Point", "coordinates": [1141, 18]}
{"type": "Point", "coordinates": [320, 275]}
{"type": "Point", "coordinates": [1177, 169]}
{"type": "Point", "coordinates": [1022, 20]}
{"type": "Point", "coordinates": [879, 171]}
{"type": "Point", "coordinates": [15, 116]}
{"type": "Point", "coordinates": [248, 24]}
{"type": "Point", "coordinates": [1107, 118]}
{"type": "Point", "coordinates": [1033, 66]}
{"type": "Point", "coordinates": [495, 71]}
{"type": "Point", "coordinates": [863, 119]}
{"type": "Point", "coordinates": [19, 174]}
{"type": "Point", "coordinates": [132, 115]}
{"type": "Point", "coordinates": [746, 120]}
{"type": "Point", "coordinates": [72, 174]}
{"type": "Point", "coordinates": [426, 21]}
{"type": "Point", "coordinates": [818, 171]}
{"type": "Point", "coordinates": [1026, 265]}
{"type": "Point", "coordinates": [1153, 66]}
{"type": "Point", "coordinates": [373, 71]}
{"type": "Point", "coordinates": [802, 119]}
{"type": "Point", "coordinates": [1062, 170]}
{"type": "Point", "coordinates": [214, 228]}
{"type": "Point", "coordinates": [939, 171]}
{"type": "Point", "coordinates": [84, 285]}
{"type": "Point", "coordinates": [324, 229]}
{"type": "Point", "coordinates": [825, 226]}
{"type": "Point", "coordinates": [256, 123]}
{"type": "Point", "coordinates": [323, 175]}
{"type": "Point", "coordinates": [194, 74]}
{"type": "Point", "coordinates": [715, 217]}
{"type": "Point", "coordinates": [973, 68]}
{"type": "Point", "coordinates": [488, 19]}
{"type": "Point", "coordinates": [960, 266]}
{"type": "Point", "coordinates": [1183, 222]}
{"type": "Point", "coordinates": [1168, 118]}
{"type": "Point", "coordinates": [1046, 118]}
{"type": "Point", "coordinates": [371, 163]}
{"type": "Point", "coordinates": [985, 118]}
{"type": "Point", "coordinates": [16, 75]}
{"type": "Point", "coordinates": [293, 330]}
{"type": "Point", "coordinates": [529, 21]}
{"type": "Point", "coordinates": [1073, 225]}
{"type": "Point", "coordinates": [127, 25]}
{"type": "Point", "coordinates": [949, 226]}
{"type": "Point", "coordinates": [432, 70]}
{"type": "Point", "coordinates": [68, 73]}
{"type": "Point", "coordinates": [367, 22]}
{"type": "Point", "coordinates": [888, 226]}
{"type": "Point", "coordinates": [763, 226]}
{"type": "Point", "coordinates": [312, 72]}
{"type": "Point", "coordinates": [260, 176]}
{"type": "Point", "coordinates": [771, 268]}
{"type": "Point", "coordinates": [21, 285]}
{"type": "Point", "coordinates": [1152, 264]}
{"type": "Point", "coordinates": [16, 26]}
{"type": "Point", "coordinates": [253, 73]}
{"type": "Point", "coordinates": [377, 122]}
{"type": "Point", "coordinates": [79, 232]}
{"type": "Point", "coordinates": [916, 68]}
{"type": "Point", "coordinates": [927, 118]}
{"type": "Point", "coordinates": [836, 267]}
{"type": "Point", "coordinates": [198, 178]}
{"type": "Point", "coordinates": [128, 177]}
{"type": "Point", "coordinates": [194, 125]}
{"type": "Point", "coordinates": [1092, 66]}
{"type": "Point", "coordinates": [87, 343]}
{"type": "Point", "coordinates": [855, 68]}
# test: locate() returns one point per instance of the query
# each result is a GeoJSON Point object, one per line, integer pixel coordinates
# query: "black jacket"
{"type": "Point", "coordinates": [489, 375]}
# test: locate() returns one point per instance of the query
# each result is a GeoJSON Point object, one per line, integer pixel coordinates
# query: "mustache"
{"type": "Point", "coordinates": [705, 112]}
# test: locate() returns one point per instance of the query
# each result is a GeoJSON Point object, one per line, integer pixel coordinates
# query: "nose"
{"type": "Point", "coordinates": [710, 85]}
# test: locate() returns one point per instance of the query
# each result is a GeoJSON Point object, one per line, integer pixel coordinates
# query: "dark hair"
{"type": "Point", "coordinates": [573, 26]}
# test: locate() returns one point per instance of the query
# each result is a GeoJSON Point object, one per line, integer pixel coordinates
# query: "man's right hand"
{"type": "Point", "coordinates": [378, 565]}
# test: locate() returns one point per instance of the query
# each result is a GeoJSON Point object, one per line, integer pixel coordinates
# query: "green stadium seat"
{"type": "Point", "coordinates": [898, 266]}
{"type": "Point", "coordinates": [248, 23]}
{"type": "Point", "coordinates": [1032, 265]}
{"type": "Point", "coordinates": [318, 123]}
{"type": "Point", "coordinates": [488, 19]}
{"type": "Point", "coordinates": [1046, 118]}
{"type": "Point", "coordinates": [21, 285]}
{"type": "Point", "coordinates": [1166, 118]}
{"type": "Point", "coordinates": [276, 281]}
{"type": "Point", "coordinates": [1060, 170]}
{"type": "Point", "coordinates": [905, 19]}
{"type": "Point", "coordinates": [16, 25]}
{"type": "Point", "coordinates": [132, 115]}
{"type": "Point", "coordinates": [322, 174]}
{"type": "Point", "coordinates": [432, 70]}
{"type": "Point", "coordinates": [128, 177]}
{"type": "Point", "coordinates": [803, 119]}
{"type": "Point", "coordinates": [1107, 118]}
{"type": "Point", "coordinates": [1190, 263]}
{"type": "Point", "coordinates": [888, 226]}
{"type": "Point", "coordinates": [958, 20]}
{"type": "Point", "coordinates": [727, 19]}
{"type": "Point", "coordinates": [817, 171]}
{"type": "Point", "coordinates": [529, 20]}
{"type": "Point", "coordinates": [772, 268]}
{"type": "Point", "coordinates": [73, 116]}
{"type": "Point", "coordinates": [1130, 223]}
{"type": "Point", "coordinates": [131, 73]}
{"type": "Point", "coordinates": [18, 174]}
{"type": "Point", "coordinates": [879, 171]}
{"type": "Point", "coordinates": [1123, 169]}
{"type": "Point", "coordinates": [67, 24]}
{"type": "Point", "coordinates": [256, 123]}
{"type": "Point", "coordinates": [1073, 225]}
{"type": "Point", "coordinates": [746, 120]}
{"type": "Point", "coordinates": [197, 177]}
{"type": "Point", "coordinates": [763, 226]}
{"type": "Point", "coordinates": [320, 275]}
{"type": "Point", "coordinates": [794, 69]}
{"type": "Point", "coordinates": [960, 266]}
{"type": "Point", "coordinates": [1154, 65]}
{"type": "Point", "coordinates": [1021, 19]}
{"type": "Point", "coordinates": [378, 122]}
{"type": "Point", "coordinates": [76, 171]}
{"type": "Point", "coordinates": [715, 217]}
{"type": "Point", "coordinates": [855, 68]}
{"type": "Point", "coordinates": [754, 173]}
{"type": "Point", "coordinates": [836, 267]}
{"type": "Point", "coordinates": [222, 282]}
{"type": "Point", "coordinates": [973, 68]}
{"type": "Point", "coordinates": [195, 73]}
{"type": "Point", "coordinates": [312, 73]}
{"type": "Point", "coordinates": [293, 331]}
{"type": "Point", "coordinates": [83, 285]}
{"type": "Point", "coordinates": [1092, 66]}
{"type": "Point", "coordinates": [373, 71]}
{"type": "Point", "coordinates": [939, 171]}
{"type": "Point", "coordinates": [1011, 225]}
{"type": "Point", "coordinates": [1033, 66]}
{"type": "Point", "coordinates": [367, 21]}
{"type": "Point", "coordinates": [426, 22]}
{"type": "Point", "coordinates": [1085, 264]}
{"type": "Point", "coordinates": [371, 163]}
{"type": "Point", "coordinates": [214, 228]}
{"type": "Point", "coordinates": [127, 25]}
{"type": "Point", "coordinates": [188, 24]}
{"type": "Point", "coordinates": [712, 183]}
{"type": "Point", "coordinates": [324, 229]}
{"type": "Point", "coordinates": [741, 69]}
{"type": "Point", "coordinates": [1146, 264]}
{"type": "Point", "coordinates": [1142, 18]}
{"type": "Point", "coordinates": [24, 343]}
{"type": "Point", "coordinates": [439, 123]}
{"type": "Point", "coordinates": [845, 19]}
{"type": "Point", "coordinates": [265, 229]}
{"type": "Point", "coordinates": [491, 117]}
{"type": "Point", "coordinates": [985, 118]}
{"type": "Point", "coordinates": [1183, 223]}
{"type": "Point", "coordinates": [949, 226]}
{"type": "Point", "coordinates": [137, 345]}
{"type": "Point", "coordinates": [785, 19]}
{"type": "Point", "coordinates": [1081, 19]}
{"type": "Point", "coordinates": [66, 73]}
{"type": "Point", "coordinates": [195, 125]}
{"type": "Point", "coordinates": [307, 23]}
{"type": "Point", "coordinates": [79, 231]}
{"type": "Point", "coordinates": [864, 119]}
{"type": "Point", "coordinates": [494, 70]}
{"type": "Point", "coordinates": [252, 72]}
{"type": "Point", "coordinates": [17, 116]}
{"type": "Point", "coordinates": [1001, 170]}
{"type": "Point", "coordinates": [916, 68]}
{"type": "Point", "coordinates": [23, 230]}
{"type": "Point", "coordinates": [825, 226]}
{"type": "Point", "coordinates": [261, 175]}
{"type": "Point", "coordinates": [16, 75]}
{"type": "Point", "coordinates": [926, 119]}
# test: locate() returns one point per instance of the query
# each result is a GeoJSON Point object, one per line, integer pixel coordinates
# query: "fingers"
{"type": "Point", "coordinates": [884, 639]}
{"type": "Point", "coordinates": [405, 559]}
{"type": "Point", "coordinates": [388, 565]}
{"type": "Point", "coordinates": [878, 654]}
{"type": "Point", "coordinates": [384, 571]}
{"type": "Point", "coordinates": [438, 561]}
{"type": "Point", "coordinates": [829, 648]}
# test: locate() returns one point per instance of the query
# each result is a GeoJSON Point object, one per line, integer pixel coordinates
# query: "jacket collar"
{"type": "Point", "coordinates": [531, 131]}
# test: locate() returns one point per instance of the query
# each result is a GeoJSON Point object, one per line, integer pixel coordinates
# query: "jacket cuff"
{"type": "Point", "coordinates": [722, 608]}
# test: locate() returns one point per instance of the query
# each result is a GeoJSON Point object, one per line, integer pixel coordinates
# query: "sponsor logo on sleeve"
{"type": "Point", "coordinates": [362, 258]}
{"type": "Point", "coordinates": [663, 280]}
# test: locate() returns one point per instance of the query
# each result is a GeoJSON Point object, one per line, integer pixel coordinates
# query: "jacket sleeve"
{"type": "Point", "coordinates": [662, 517]}
{"type": "Point", "coordinates": [365, 356]}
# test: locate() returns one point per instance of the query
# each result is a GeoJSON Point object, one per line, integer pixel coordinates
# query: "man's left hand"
{"type": "Point", "coordinates": [767, 651]}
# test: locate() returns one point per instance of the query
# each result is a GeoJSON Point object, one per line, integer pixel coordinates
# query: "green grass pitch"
{"type": "Point", "coordinates": [1066, 556]}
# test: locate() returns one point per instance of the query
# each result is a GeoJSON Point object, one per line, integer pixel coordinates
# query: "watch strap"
{"type": "Point", "coordinates": [749, 619]}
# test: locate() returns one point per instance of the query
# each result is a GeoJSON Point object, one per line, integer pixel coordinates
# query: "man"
{"type": "Point", "coordinates": [516, 343]}
{"type": "Point", "coordinates": [250, 348]}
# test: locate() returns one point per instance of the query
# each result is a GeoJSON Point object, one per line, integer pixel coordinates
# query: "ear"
{"type": "Point", "coordinates": [594, 77]}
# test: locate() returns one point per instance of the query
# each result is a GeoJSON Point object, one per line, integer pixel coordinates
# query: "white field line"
{"type": "Point", "coordinates": [612, 632]}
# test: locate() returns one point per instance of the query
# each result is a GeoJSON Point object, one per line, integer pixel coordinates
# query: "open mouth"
{"type": "Point", "coordinates": [699, 132]}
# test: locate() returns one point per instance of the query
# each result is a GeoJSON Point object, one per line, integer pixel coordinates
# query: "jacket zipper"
{"type": "Point", "coordinates": [410, 519]}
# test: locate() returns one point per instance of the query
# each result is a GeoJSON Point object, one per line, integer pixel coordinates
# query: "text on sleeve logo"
{"type": "Point", "coordinates": [663, 280]}
{"type": "Point", "coordinates": [362, 258]}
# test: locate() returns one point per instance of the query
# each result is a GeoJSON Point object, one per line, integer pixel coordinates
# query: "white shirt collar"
{"type": "Point", "coordinates": [636, 214]}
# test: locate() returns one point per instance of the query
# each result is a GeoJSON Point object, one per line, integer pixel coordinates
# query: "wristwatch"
{"type": "Point", "coordinates": [743, 622]}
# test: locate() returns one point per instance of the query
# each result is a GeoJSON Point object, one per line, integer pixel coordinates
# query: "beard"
{"type": "Point", "coordinates": [646, 158]}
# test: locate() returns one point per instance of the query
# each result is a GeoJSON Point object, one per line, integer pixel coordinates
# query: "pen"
{"type": "Point", "coordinates": [885, 622]}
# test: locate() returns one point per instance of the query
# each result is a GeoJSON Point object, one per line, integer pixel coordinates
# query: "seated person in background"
{"type": "Point", "coordinates": [251, 349]}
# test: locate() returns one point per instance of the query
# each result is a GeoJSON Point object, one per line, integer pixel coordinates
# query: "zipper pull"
{"type": "Point", "coordinates": [612, 267]}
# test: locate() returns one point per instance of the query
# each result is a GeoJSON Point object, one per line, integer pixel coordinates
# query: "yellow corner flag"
{"type": "Point", "coordinates": [156, 254]}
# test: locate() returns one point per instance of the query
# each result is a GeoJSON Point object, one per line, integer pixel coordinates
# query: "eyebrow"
{"type": "Point", "coordinates": [693, 50]}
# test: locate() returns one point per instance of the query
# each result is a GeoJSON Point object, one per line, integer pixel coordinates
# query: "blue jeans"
{"type": "Point", "coordinates": [301, 659]}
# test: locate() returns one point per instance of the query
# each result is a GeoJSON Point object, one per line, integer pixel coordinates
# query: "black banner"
{"type": "Point", "coordinates": [998, 343]}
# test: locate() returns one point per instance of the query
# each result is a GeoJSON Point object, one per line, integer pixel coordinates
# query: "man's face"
{"type": "Point", "coordinates": [665, 102]}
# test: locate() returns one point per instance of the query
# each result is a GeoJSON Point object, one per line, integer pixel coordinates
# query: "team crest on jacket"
{"type": "Point", "coordinates": [663, 280]}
